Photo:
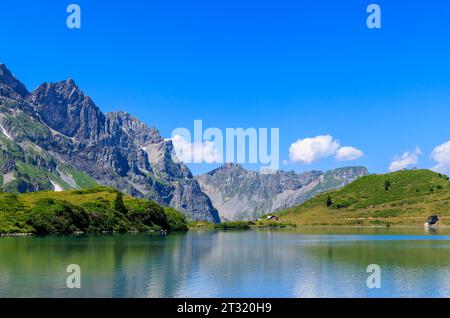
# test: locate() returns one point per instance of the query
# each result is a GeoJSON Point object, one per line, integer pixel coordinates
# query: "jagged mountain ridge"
{"type": "Point", "coordinates": [57, 138]}
{"type": "Point", "coordinates": [241, 194]}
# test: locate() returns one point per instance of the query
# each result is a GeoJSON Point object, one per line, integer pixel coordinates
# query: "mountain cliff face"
{"type": "Point", "coordinates": [240, 194]}
{"type": "Point", "coordinates": [57, 138]}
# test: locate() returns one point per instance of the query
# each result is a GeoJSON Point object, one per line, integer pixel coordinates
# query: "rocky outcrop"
{"type": "Point", "coordinates": [64, 108]}
{"type": "Point", "coordinates": [241, 194]}
{"type": "Point", "coordinates": [9, 85]}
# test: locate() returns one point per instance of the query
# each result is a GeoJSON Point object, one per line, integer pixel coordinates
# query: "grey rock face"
{"type": "Point", "coordinates": [240, 194]}
{"type": "Point", "coordinates": [7, 80]}
{"type": "Point", "coordinates": [63, 107]}
{"type": "Point", "coordinates": [115, 149]}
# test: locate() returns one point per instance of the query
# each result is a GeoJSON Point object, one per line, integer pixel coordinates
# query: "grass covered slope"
{"type": "Point", "coordinates": [98, 209]}
{"type": "Point", "coordinates": [399, 198]}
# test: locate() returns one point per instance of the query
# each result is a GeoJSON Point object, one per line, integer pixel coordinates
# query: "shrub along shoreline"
{"type": "Point", "coordinates": [240, 225]}
{"type": "Point", "coordinates": [94, 210]}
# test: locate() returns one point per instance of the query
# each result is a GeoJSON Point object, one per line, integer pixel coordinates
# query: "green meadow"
{"type": "Point", "coordinates": [93, 210]}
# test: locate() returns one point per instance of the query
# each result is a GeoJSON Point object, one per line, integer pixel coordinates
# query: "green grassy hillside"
{"type": "Point", "coordinates": [399, 198]}
{"type": "Point", "coordinates": [98, 209]}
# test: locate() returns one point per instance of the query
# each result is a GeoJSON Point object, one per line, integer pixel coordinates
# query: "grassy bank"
{"type": "Point", "coordinates": [98, 209]}
{"type": "Point", "coordinates": [394, 199]}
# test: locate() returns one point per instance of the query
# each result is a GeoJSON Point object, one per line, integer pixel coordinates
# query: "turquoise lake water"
{"type": "Point", "coordinates": [311, 262]}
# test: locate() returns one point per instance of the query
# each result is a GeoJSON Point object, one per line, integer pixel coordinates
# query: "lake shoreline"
{"type": "Point", "coordinates": [211, 227]}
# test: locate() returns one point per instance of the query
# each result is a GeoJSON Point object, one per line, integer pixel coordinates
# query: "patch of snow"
{"type": "Point", "coordinates": [5, 132]}
{"type": "Point", "coordinates": [57, 187]}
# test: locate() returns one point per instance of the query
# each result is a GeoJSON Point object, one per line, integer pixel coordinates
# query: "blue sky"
{"type": "Point", "coordinates": [310, 68]}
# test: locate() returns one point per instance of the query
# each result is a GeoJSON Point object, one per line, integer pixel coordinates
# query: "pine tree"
{"type": "Point", "coordinates": [118, 204]}
{"type": "Point", "coordinates": [387, 185]}
{"type": "Point", "coordinates": [329, 201]}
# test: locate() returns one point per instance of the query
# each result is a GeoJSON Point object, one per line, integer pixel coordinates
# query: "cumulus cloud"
{"type": "Point", "coordinates": [348, 154]}
{"type": "Point", "coordinates": [188, 152]}
{"type": "Point", "coordinates": [309, 150]}
{"type": "Point", "coordinates": [405, 160]}
{"type": "Point", "coordinates": [312, 149]}
{"type": "Point", "coordinates": [441, 154]}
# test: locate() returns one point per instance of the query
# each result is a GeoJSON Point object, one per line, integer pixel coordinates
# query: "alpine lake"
{"type": "Point", "coordinates": [305, 262]}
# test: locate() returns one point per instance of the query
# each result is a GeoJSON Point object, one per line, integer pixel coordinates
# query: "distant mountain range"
{"type": "Point", "coordinates": [56, 138]}
{"type": "Point", "coordinates": [240, 194]}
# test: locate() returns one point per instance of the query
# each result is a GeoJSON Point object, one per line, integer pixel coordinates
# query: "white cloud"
{"type": "Point", "coordinates": [188, 152]}
{"type": "Point", "coordinates": [312, 149]}
{"type": "Point", "coordinates": [441, 154]}
{"type": "Point", "coordinates": [348, 154]}
{"type": "Point", "coordinates": [405, 160]}
{"type": "Point", "coordinates": [309, 150]}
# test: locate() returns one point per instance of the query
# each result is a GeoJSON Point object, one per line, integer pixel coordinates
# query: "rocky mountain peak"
{"type": "Point", "coordinates": [227, 168]}
{"type": "Point", "coordinates": [65, 91]}
{"type": "Point", "coordinates": [65, 108]}
{"type": "Point", "coordinates": [133, 127]}
{"type": "Point", "coordinates": [7, 79]}
{"type": "Point", "coordinates": [349, 172]}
